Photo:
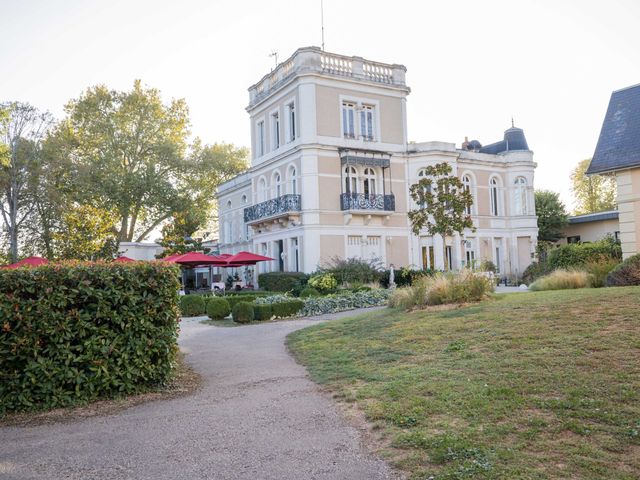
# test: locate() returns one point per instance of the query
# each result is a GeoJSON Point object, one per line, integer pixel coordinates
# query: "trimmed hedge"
{"type": "Point", "coordinates": [192, 305]}
{"type": "Point", "coordinates": [287, 309]}
{"type": "Point", "coordinates": [75, 332]}
{"type": "Point", "coordinates": [625, 274]}
{"type": "Point", "coordinates": [309, 292]}
{"type": "Point", "coordinates": [575, 255]}
{"type": "Point", "coordinates": [233, 300]}
{"type": "Point", "coordinates": [283, 281]}
{"type": "Point", "coordinates": [262, 312]}
{"type": "Point", "coordinates": [218, 308]}
{"type": "Point", "coordinates": [243, 312]}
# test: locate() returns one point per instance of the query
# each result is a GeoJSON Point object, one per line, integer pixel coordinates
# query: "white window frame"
{"type": "Point", "coordinates": [292, 179]}
{"type": "Point", "coordinates": [470, 187]}
{"type": "Point", "coordinates": [276, 180]}
{"type": "Point", "coordinates": [369, 181]}
{"type": "Point", "coordinates": [495, 205]}
{"type": "Point", "coordinates": [291, 131]}
{"type": "Point", "coordinates": [520, 195]}
{"type": "Point", "coordinates": [358, 103]}
{"type": "Point", "coordinates": [351, 180]}
{"type": "Point", "coordinates": [261, 189]}
{"type": "Point", "coordinates": [274, 127]}
{"type": "Point", "coordinates": [351, 107]}
{"type": "Point", "coordinates": [367, 125]}
{"type": "Point", "coordinates": [260, 138]}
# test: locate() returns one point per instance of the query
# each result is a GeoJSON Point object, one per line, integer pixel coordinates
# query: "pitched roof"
{"type": "Point", "coordinates": [619, 143]}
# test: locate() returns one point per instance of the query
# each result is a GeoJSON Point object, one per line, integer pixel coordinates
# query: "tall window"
{"type": "Point", "coordinates": [291, 121]}
{"type": "Point", "coordinates": [422, 174]}
{"type": "Point", "coordinates": [262, 190]}
{"type": "Point", "coordinates": [521, 196]}
{"type": "Point", "coordinates": [350, 180]}
{"type": "Point", "coordinates": [275, 127]}
{"type": "Point", "coordinates": [277, 180]}
{"type": "Point", "coordinates": [366, 122]}
{"type": "Point", "coordinates": [348, 120]}
{"type": "Point", "coordinates": [493, 192]}
{"type": "Point", "coordinates": [293, 181]}
{"type": "Point", "coordinates": [260, 138]}
{"type": "Point", "coordinates": [369, 181]}
{"type": "Point", "coordinates": [466, 183]}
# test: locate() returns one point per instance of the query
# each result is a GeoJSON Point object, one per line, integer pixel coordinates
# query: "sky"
{"type": "Point", "coordinates": [471, 65]}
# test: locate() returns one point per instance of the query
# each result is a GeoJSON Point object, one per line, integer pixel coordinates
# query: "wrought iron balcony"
{"type": "Point", "coordinates": [361, 201]}
{"type": "Point", "coordinates": [273, 208]}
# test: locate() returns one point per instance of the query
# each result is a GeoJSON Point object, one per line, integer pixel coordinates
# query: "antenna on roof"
{"type": "Point", "coordinates": [274, 54]}
{"type": "Point", "coordinates": [322, 21]}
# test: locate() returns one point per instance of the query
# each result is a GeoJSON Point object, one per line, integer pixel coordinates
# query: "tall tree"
{"type": "Point", "coordinates": [86, 233]}
{"type": "Point", "coordinates": [442, 203]}
{"type": "Point", "coordinates": [594, 193]}
{"type": "Point", "coordinates": [552, 215]}
{"type": "Point", "coordinates": [178, 235]}
{"type": "Point", "coordinates": [23, 128]}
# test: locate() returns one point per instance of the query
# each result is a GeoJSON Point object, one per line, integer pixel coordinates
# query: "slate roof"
{"type": "Point", "coordinates": [594, 217]}
{"type": "Point", "coordinates": [514, 139]}
{"type": "Point", "coordinates": [619, 143]}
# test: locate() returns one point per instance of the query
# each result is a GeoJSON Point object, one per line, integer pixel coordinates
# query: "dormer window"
{"type": "Point", "coordinates": [349, 120]}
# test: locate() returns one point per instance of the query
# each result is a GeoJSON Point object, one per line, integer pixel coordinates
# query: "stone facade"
{"type": "Point", "coordinates": [331, 170]}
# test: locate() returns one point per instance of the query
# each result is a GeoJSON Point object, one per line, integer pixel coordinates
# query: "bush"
{"type": "Point", "coordinates": [243, 312]}
{"type": "Point", "coordinates": [192, 305]}
{"type": "Point", "coordinates": [76, 332]}
{"type": "Point", "coordinates": [309, 292]}
{"type": "Point", "coordinates": [562, 280]}
{"type": "Point", "coordinates": [287, 309]}
{"type": "Point", "coordinates": [323, 282]}
{"type": "Point", "coordinates": [534, 271]}
{"type": "Point", "coordinates": [576, 255]}
{"type": "Point", "coordinates": [352, 270]}
{"type": "Point", "coordinates": [262, 311]}
{"type": "Point", "coordinates": [599, 271]}
{"type": "Point", "coordinates": [404, 277]}
{"type": "Point", "coordinates": [218, 308]}
{"type": "Point", "coordinates": [625, 274]}
{"type": "Point", "coordinates": [348, 301]}
{"type": "Point", "coordinates": [282, 281]}
{"type": "Point", "coordinates": [271, 299]}
{"type": "Point", "coordinates": [444, 288]}
{"type": "Point", "coordinates": [233, 300]}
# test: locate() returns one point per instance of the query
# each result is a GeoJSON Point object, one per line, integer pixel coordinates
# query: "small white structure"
{"type": "Point", "coordinates": [140, 250]}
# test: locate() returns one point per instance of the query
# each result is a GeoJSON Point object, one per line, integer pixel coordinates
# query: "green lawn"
{"type": "Point", "coordinates": [523, 386]}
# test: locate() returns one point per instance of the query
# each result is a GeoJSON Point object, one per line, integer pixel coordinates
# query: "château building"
{"type": "Point", "coordinates": [331, 169]}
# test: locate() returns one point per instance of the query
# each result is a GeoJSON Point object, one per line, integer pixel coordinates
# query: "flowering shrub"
{"type": "Point", "coordinates": [325, 282]}
{"type": "Point", "coordinates": [340, 303]}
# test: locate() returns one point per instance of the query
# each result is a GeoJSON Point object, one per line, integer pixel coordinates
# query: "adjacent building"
{"type": "Point", "coordinates": [331, 169]}
{"type": "Point", "coordinates": [618, 153]}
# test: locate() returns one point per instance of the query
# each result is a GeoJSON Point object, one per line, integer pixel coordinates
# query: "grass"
{"type": "Point", "coordinates": [539, 385]}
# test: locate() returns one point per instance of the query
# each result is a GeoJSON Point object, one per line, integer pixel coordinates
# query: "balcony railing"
{"type": "Point", "coordinates": [273, 208]}
{"type": "Point", "coordinates": [362, 201]}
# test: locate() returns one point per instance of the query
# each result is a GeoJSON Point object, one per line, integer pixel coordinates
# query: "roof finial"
{"type": "Point", "coordinates": [512, 125]}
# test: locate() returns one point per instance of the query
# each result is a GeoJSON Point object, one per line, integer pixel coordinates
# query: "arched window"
{"type": "Point", "coordinates": [277, 181]}
{"type": "Point", "coordinates": [262, 190]}
{"type": "Point", "coordinates": [228, 203]}
{"type": "Point", "coordinates": [244, 199]}
{"type": "Point", "coordinates": [293, 180]}
{"type": "Point", "coordinates": [350, 180]}
{"type": "Point", "coordinates": [422, 174]}
{"type": "Point", "coordinates": [494, 196]}
{"type": "Point", "coordinates": [520, 196]}
{"type": "Point", "coordinates": [466, 184]}
{"type": "Point", "coordinates": [369, 181]}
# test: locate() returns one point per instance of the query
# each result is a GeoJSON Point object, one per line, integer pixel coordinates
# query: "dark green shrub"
{"type": "Point", "coordinates": [243, 312]}
{"type": "Point", "coordinates": [404, 277]}
{"type": "Point", "coordinates": [534, 271]}
{"type": "Point", "coordinates": [218, 308]}
{"type": "Point", "coordinates": [287, 309]}
{"type": "Point", "coordinates": [352, 270]}
{"type": "Point", "coordinates": [282, 281]}
{"type": "Point", "coordinates": [625, 274]}
{"type": "Point", "coordinates": [576, 255]}
{"type": "Point", "coordinates": [262, 312]}
{"type": "Point", "coordinates": [309, 292]}
{"type": "Point", "coordinates": [75, 332]}
{"type": "Point", "coordinates": [192, 305]}
{"type": "Point", "coordinates": [233, 300]}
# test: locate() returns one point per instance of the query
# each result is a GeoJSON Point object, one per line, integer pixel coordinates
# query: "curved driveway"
{"type": "Point", "coordinates": [257, 416]}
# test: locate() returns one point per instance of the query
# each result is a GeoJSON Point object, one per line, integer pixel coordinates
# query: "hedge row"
{"type": "Point", "coordinates": [75, 332]}
{"type": "Point", "coordinates": [283, 281]}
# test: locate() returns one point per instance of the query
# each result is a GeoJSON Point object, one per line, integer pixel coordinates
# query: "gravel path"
{"type": "Point", "coordinates": [257, 416]}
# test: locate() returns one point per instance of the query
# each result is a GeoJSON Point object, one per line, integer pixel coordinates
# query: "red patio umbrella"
{"type": "Point", "coordinates": [246, 258]}
{"type": "Point", "coordinates": [123, 259]}
{"type": "Point", "coordinates": [28, 262]}
{"type": "Point", "coordinates": [170, 258]}
{"type": "Point", "coordinates": [195, 258]}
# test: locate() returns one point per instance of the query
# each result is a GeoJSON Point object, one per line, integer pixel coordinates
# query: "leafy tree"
{"type": "Point", "coordinates": [594, 193]}
{"type": "Point", "coordinates": [23, 128]}
{"type": "Point", "coordinates": [86, 233]}
{"type": "Point", "coordinates": [178, 235]}
{"type": "Point", "coordinates": [129, 152]}
{"type": "Point", "coordinates": [442, 203]}
{"type": "Point", "coordinates": [552, 216]}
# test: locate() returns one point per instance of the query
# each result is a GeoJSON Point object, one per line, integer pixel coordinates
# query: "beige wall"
{"type": "Point", "coordinates": [628, 182]}
{"type": "Point", "coordinates": [591, 231]}
{"type": "Point", "coordinates": [331, 246]}
{"type": "Point", "coordinates": [329, 110]}
{"type": "Point", "coordinates": [398, 251]}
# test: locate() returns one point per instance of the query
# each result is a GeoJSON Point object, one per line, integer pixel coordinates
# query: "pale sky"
{"type": "Point", "coordinates": [472, 65]}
